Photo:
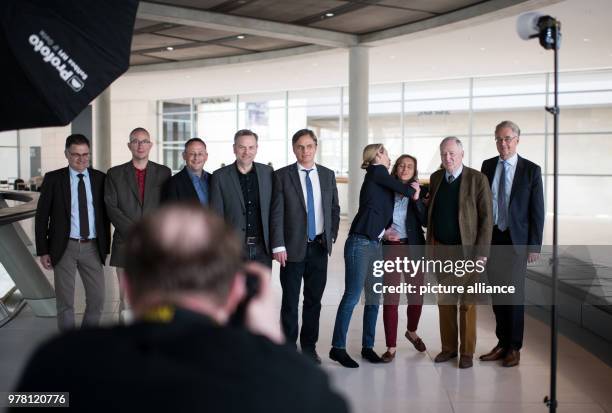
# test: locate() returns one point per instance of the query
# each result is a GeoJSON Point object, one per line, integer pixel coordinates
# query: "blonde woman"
{"type": "Point", "coordinates": [363, 247]}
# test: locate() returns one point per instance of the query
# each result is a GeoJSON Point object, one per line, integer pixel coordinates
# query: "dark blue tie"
{"type": "Point", "coordinates": [312, 225]}
{"type": "Point", "coordinates": [502, 209]}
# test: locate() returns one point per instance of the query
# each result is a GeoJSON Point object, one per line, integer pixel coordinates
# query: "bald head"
{"type": "Point", "coordinates": [182, 248]}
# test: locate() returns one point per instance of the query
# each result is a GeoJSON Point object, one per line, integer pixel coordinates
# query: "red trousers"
{"type": "Point", "coordinates": [391, 301]}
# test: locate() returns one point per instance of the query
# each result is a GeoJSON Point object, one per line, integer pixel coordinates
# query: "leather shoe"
{"type": "Point", "coordinates": [370, 355]}
{"type": "Point", "coordinates": [465, 361]}
{"type": "Point", "coordinates": [418, 343]}
{"type": "Point", "coordinates": [496, 353]}
{"type": "Point", "coordinates": [388, 357]}
{"type": "Point", "coordinates": [512, 358]}
{"type": "Point", "coordinates": [445, 356]}
{"type": "Point", "coordinates": [312, 355]}
{"type": "Point", "coordinates": [341, 356]}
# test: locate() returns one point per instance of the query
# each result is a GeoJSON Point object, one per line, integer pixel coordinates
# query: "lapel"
{"type": "Point", "coordinates": [520, 169]}
{"type": "Point", "coordinates": [295, 178]}
{"type": "Point", "coordinates": [233, 174]}
{"type": "Point", "coordinates": [150, 180]}
{"type": "Point", "coordinates": [463, 186]}
{"type": "Point", "coordinates": [94, 184]}
{"type": "Point", "coordinates": [129, 176]}
{"type": "Point", "coordinates": [264, 187]}
{"type": "Point", "coordinates": [66, 191]}
{"type": "Point", "coordinates": [187, 183]}
{"type": "Point", "coordinates": [490, 168]}
{"type": "Point", "coordinates": [434, 186]}
{"type": "Point", "coordinates": [323, 184]}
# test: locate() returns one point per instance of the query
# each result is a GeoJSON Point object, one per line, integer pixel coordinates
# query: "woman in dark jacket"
{"type": "Point", "coordinates": [404, 239]}
{"type": "Point", "coordinates": [363, 247]}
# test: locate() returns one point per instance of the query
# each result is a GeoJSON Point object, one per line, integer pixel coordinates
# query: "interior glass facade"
{"type": "Point", "coordinates": [412, 117]}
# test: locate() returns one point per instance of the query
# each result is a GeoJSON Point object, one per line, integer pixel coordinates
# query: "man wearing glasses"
{"type": "Point", "coordinates": [73, 232]}
{"type": "Point", "coordinates": [192, 182]}
{"type": "Point", "coordinates": [132, 190]}
{"type": "Point", "coordinates": [518, 216]}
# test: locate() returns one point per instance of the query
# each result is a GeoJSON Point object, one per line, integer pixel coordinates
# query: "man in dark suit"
{"type": "Point", "coordinates": [460, 222]}
{"type": "Point", "coordinates": [518, 213]}
{"type": "Point", "coordinates": [304, 225]}
{"type": "Point", "coordinates": [241, 193]}
{"type": "Point", "coordinates": [73, 232]}
{"type": "Point", "coordinates": [132, 190]}
{"type": "Point", "coordinates": [184, 278]}
{"type": "Point", "coordinates": [192, 182]}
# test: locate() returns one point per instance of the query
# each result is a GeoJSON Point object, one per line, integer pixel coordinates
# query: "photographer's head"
{"type": "Point", "coordinates": [184, 255]}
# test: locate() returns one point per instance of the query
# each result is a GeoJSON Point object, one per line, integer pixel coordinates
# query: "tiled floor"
{"type": "Point", "coordinates": [412, 382]}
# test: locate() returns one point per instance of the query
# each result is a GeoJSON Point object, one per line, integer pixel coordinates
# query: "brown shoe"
{"type": "Point", "coordinates": [388, 357]}
{"type": "Point", "coordinates": [418, 343]}
{"type": "Point", "coordinates": [445, 356]}
{"type": "Point", "coordinates": [512, 358]}
{"type": "Point", "coordinates": [496, 354]}
{"type": "Point", "coordinates": [465, 361]}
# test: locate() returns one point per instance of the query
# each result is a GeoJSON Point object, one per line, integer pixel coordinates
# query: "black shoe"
{"type": "Point", "coordinates": [341, 356]}
{"type": "Point", "coordinates": [311, 353]}
{"type": "Point", "coordinates": [370, 355]}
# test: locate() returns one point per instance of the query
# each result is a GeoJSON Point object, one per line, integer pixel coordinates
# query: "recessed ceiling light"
{"type": "Point", "coordinates": [586, 39]}
{"type": "Point", "coordinates": [247, 71]}
{"type": "Point", "coordinates": [482, 49]}
{"type": "Point", "coordinates": [392, 57]}
{"type": "Point", "coordinates": [240, 36]}
{"type": "Point", "coordinates": [329, 14]}
{"type": "Point", "coordinates": [170, 48]}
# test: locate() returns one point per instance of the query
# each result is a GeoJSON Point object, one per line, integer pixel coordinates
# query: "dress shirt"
{"type": "Point", "coordinates": [318, 203]}
{"type": "Point", "coordinates": [316, 191]}
{"type": "Point", "coordinates": [200, 184]}
{"type": "Point", "coordinates": [455, 173]}
{"type": "Point", "coordinates": [75, 227]}
{"type": "Point", "coordinates": [400, 209]}
{"type": "Point", "coordinates": [510, 170]}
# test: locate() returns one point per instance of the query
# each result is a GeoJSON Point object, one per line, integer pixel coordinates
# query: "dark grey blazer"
{"type": "Point", "coordinates": [226, 198]}
{"type": "Point", "coordinates": [123, 203]}
{"type": "Point", "coordinates": [288, 219]}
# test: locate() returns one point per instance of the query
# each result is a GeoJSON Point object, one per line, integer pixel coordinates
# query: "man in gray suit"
{"type": "Point", "coordinates": [241, 193]}
{"type": "Point", "coordinates": [303, 224]}
{"type": "Point", "coordinates": [132, 190]}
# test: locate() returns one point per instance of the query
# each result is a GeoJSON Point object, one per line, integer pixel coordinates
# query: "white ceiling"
{"type": "Point", "coordinates": [485, 49]}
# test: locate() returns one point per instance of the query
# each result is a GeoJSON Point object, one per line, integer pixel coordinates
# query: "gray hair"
{"type": "Point", "coordinates": [509, 124]}
{"type": "Point", "coordinates": [138, 130]}
{"type": "Point", "coordinates": [451, 138]}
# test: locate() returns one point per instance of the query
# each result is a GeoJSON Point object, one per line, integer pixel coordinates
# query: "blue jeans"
{"type": "Point", "coordinates": [359, 255]}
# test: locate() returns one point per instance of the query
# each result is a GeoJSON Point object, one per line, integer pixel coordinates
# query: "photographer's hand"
{"type": "Point", "coordinates": [262, 313]}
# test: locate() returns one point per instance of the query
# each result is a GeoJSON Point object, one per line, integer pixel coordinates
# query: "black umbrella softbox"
{"type": "Point", "coordinates": [58, 55]}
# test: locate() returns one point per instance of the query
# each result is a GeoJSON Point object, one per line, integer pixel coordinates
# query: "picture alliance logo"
{"type": "Point", "coordinates": [57, 62]}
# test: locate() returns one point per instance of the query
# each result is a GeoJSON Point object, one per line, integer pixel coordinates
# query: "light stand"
{"type": "Point", "coordinates": [548, 30]}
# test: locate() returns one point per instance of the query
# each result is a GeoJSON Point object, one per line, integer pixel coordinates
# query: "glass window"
{"type": "Point", "coordinates": [315, 97]}
{"type": "Point", "coordinates": [510, 85]}
{"type": "Point", "coordinates": [437, 89]}
{"type": "Point", "coordinates": [391, 92]}
{"type": "Point", "coordinates": [177, 106]}
{"type": "Point", "coordinates": [8, 163]}
{"type": "Point", "coordinates": [438, 124]}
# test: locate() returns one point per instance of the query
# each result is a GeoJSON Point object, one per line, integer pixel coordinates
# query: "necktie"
{"type": "Point", "coordinates": [83, 215]}
{"type": "Point", "coordinates": [451, 178]}
{"type": "Point", "coordinates": [312, 226]}
{"type": "Point", "coordinates": [502, 209]}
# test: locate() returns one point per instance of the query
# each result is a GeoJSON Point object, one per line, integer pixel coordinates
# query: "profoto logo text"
{"type": "Point", "coordinates": [55, 61]}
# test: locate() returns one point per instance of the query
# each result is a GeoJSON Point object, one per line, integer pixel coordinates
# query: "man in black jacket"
{"type": "Point", "coordinates": [518, 213]}
{"type": "Point", "coordinates": [73, 232]}
{"type": "Point", "coordinates": [184, 279]}
{"type": "Point", "coordinates": [304, 221]}
{"type": "Point", "coordinates": [192, 182]}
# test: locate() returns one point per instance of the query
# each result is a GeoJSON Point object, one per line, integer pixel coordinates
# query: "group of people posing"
{"type": "Point", "coordinates": [292, 215]}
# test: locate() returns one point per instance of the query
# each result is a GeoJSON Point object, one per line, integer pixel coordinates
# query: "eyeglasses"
{"type": "Point", "coordinates": [136, 142]}
{"type": "Point", "coordinates": [506, 139]}
{"type": "Point", "coordinates": [79, 155]}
